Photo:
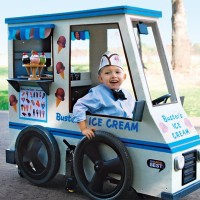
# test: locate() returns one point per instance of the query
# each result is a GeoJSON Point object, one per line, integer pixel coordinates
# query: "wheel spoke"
{"type": "Point", "coordinates": [97, 181]}
{"type": "Point", "coordinates": [31, 154]}
{"type": "Point", "coordinates": [114, 165]}
{"type": "Point", "coordinates": [34, 146]}
{"type": "Point", "coordinates": [93, 152]}
{"type": "Point", "coordinates": [25, 155]}
{"type": "Point", "coordinates": [39, 167]}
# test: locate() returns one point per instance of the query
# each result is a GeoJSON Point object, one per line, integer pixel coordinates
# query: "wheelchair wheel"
{"type": "Point", "coordinates": [37, 154]}
{"type": "Point", "coordinates": [102, 166]}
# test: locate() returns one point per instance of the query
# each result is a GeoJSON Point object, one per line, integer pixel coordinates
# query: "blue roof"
{"type": "Point", "coordinates": [86, 13]}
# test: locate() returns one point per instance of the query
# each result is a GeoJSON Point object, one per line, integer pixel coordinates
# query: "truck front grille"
{"type": "Point", "coordinates": [189, 170]}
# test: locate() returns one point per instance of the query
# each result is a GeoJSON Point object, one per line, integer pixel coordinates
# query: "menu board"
{"type": "Point", "coordinates": [33, 103]}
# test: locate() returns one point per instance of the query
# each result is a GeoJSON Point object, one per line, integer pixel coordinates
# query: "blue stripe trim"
{"type": "Point", "coordinates": [62, 132]}
{"type": "Point", "coordinates": [153, 146]}
{"type": "Point", "coordinates": [180, 142]}
{"type": "Point", "coordinates": [181, 193]}
{"type": "Point", "coordinates": [86, 13]}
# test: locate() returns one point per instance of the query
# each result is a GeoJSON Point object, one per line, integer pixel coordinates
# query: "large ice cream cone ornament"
{"type": "Point", "coordinates": [13, 102]}
{"type": "Point", "coordinates": [42, 63]}
{"type": "Point", "coordinates": [25, 58]}
{"type": "Point", "coordinates": [34, 59]}
{"type": "Point", "coordinates": [61, 43]}
{"type": "Point", "coordinates": [60, 68]}
{"type": "Point", "coordinates": [42, 59]}
{"type": "Point", "coordinates": [60, 96]}
{"type": "Point", "coordinates": [26, 61]}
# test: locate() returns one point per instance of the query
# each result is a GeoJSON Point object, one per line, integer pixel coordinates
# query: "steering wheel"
{"type": "Point", "coordinates": [161, 99]}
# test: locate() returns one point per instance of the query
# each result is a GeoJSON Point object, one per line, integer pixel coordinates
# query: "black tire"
{"type": "Point", "coordinates": [102, 166]}
{"type": "Point", "coordinates": [37, 154]}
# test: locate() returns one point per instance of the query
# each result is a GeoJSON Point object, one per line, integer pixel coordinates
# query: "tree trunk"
{"type": "Point", "coordinates": [180, 42]}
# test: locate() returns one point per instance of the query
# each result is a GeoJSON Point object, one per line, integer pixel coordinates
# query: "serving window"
{"type": "Point", "coordinates": [88, 43]}
{"type": "Point", "coordinates": [26, 39]}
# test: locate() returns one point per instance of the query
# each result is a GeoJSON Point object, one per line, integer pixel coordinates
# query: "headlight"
{"type": "Point", "coordinates": [179, 162]}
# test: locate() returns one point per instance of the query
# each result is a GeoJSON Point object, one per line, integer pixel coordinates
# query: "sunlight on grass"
{"type": "Point", "coordinates": [191, 93]}
{"type": "Point", "coordinates": [3, 88]}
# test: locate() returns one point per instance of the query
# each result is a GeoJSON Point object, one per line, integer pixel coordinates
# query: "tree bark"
{"type": "Point", "coordinates": [181, 46]}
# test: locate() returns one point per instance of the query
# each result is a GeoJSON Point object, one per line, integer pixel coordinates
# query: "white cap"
{"type": "Point", "coordinates": [108, 59]}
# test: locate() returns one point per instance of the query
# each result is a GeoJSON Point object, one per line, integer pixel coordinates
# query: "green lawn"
{"type": "Point", "coordinates": [3, 88]}
{"type": "Point", "coordinates": [4, 100]}
{"type": "Point", "coordinates": [191, 103]}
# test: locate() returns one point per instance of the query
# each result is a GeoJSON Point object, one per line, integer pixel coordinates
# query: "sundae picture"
{"type": "Point", "coordinates": [13, 102]}
{"type": "Point", "coordinates": [61, 43]}
{"type": "Point", "coordinates": [60, 68]}
{"type": "Point", "coordinates": [60, 95]}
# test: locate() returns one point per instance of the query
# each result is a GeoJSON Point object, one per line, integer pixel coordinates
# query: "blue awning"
{"type": "Point", "coordinates": [40, 31]}
{"type": "Point", "coordinates": [80, 35]}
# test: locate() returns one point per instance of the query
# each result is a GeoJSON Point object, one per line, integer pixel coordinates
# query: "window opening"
{"type": "Point", "coordinates": [158, 80]}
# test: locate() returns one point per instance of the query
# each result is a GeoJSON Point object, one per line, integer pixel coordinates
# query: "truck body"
{"type": "Point", "coordinates": [157, 152]}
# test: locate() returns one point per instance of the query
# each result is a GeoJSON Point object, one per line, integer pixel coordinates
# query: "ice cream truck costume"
{"type": "Point", "coordinates": [156, 152]}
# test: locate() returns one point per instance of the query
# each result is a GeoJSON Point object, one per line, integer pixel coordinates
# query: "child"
{"type": "Point", "coordinates": [107, 98]}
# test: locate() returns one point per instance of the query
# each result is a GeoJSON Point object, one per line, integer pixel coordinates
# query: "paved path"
{"type": "Point", "coordinates": [13, 187]}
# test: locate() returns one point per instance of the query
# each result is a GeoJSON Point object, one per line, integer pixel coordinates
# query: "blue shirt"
{"type": "Point", "coordinates": [100, 100]}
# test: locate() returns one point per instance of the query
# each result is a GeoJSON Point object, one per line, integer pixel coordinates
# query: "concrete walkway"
{"type": "Point", "coordinates": [14, 187]}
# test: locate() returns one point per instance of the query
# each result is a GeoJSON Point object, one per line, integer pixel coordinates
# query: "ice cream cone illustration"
{"type": "Point", "coordinates": [60, 95]}
{"type": "Point", "coordinates": [58, 102]}
{"type": "Point", "coordinates": [15, 107]}
{"type": "Point", "coordinates": [61, 43]}
{"type": "Point", "coordinates": [60, 68]}
{"type": "Point", "coordinates": [13, 102]}
{"type": "Point", "coordinates": [62, 75]}
{"type": "Point", "coordinates": [59, 48]}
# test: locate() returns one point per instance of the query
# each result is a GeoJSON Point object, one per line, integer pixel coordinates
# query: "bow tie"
{"type": "Point", "coordinates": [119, 95]}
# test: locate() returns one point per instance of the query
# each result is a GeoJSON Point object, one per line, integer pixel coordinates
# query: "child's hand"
{"type": "Point", "coordinates": [89, 132]}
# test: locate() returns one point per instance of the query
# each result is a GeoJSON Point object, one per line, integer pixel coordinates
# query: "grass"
{"type": "Point", "coordinates": [4, 100]}
{"type": "Point", "coordinates": [191, 101]}
{"type": "Point", "coordinates": [191, 93]}
{"type": "Point", "coordinates": [3, 88]}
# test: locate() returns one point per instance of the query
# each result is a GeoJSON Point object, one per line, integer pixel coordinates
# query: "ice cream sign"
{"type": "Point", "coordinates": [175, 127]}
{"type": "Point", "coordinates": [33, 104]}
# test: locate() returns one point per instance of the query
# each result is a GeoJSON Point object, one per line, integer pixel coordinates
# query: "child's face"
{"type": "Point", "coordinates": [112, 77]}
